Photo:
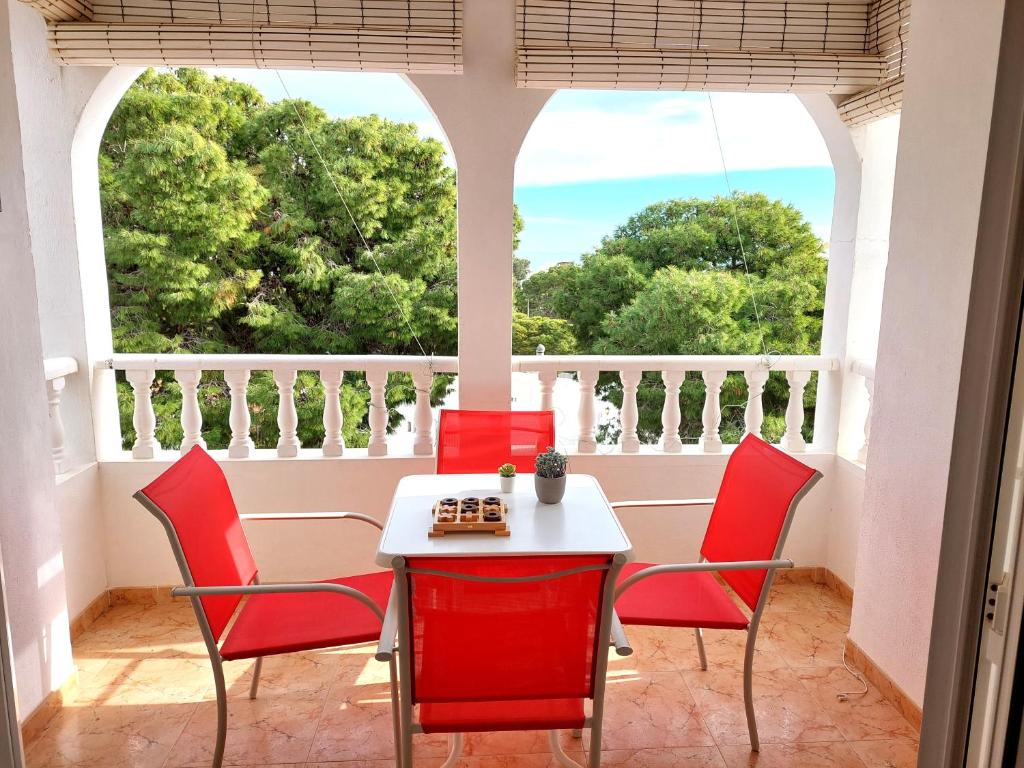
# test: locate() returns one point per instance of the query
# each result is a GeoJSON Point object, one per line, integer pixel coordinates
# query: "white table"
{"type": "Point", "coordinates": [582, 524]}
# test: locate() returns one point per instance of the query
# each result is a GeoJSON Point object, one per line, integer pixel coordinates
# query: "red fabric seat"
{"type": "Point", "coordinates": [300, 621]}
{"type": "Point", "coordinates": [678, 600]}
{"type": "Point", "coordinates": [524, 715]}
{"type": "Point", "coordinates": [481, 441]}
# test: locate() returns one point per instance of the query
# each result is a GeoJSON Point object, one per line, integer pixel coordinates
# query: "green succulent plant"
{"type": "Point", "coordinates": [507, 470]}
{"type": "Point", "coordinates": [551, 463]}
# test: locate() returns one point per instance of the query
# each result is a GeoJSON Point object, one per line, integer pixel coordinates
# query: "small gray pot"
{"type": "Point", "coordinates": [550, 490]}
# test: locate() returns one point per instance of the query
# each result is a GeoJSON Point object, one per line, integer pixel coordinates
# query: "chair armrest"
{"type": "Point", "coordinates": [619, 639]}
{"type": "Point", "coordinates": [662, 503]}
{"type": "Point", "coordinates": [738, 565]}
{"type": "Point", "coordinates": [389, 630]}
{"type": "Point", "coordinates": [315, 516]}
{"type": "Point", "coordinates": [282, 588]}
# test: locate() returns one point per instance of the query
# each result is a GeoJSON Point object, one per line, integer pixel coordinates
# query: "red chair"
{"type": "Point", "coordinates": [743, 544]}
{"type": "Point", "coordinates": [481, 441]}
{"type": "Point", "coordinates": [502, 644]}
{"type": "Point", "coordinates": [193, 502]}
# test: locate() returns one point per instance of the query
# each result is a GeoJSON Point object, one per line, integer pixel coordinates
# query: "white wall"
{"type": "Point", "coordinates": [939, 171]}
{"type": "Point", "coordinates": [29, 528]}
{"type": "Point", "coordinates": [139, 555]}
{"type": "Point", "coordinates": [80, 508]}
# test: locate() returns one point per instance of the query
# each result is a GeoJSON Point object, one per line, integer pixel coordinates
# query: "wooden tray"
{"type": "Point", "coordinates": [470, 515]}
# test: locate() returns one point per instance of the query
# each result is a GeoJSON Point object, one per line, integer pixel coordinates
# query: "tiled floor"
{"type": "Point", "coordinates": [145, 700]}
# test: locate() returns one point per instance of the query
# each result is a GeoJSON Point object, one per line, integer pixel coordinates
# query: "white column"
{"type": "Point", "coordinates": [191, 416]}
{"type": "Point", "coordinates": [670, 415]}
{"type": "Point", "coordinates": [378, 416]}
{"type": "Point", "coordinates": [753, 416]}
{"type": "Point", "coordinates": [629, 442]}
{"type": "Point", "coordinates": [423, 445]}
{"type": "Point", "coordinates": [54, 388]}
{"type": "Point", "coordinates": [143, 418]}
{"type": "Point", "coordinates": [241, 445]}
{"type": "Point", "coordinates": [485, 117]}
{"type": "Point", "coordinates": [793, 439]}
{"type": "Point", "coordinates": [547, 389]}
{"type": "Point", "coordinates": [287, 419]}
{"type": "Point", "coordinates": [710, 439]}
{"type": "Point", "coordinates": [334, 442]}
{"type": "Point", "coordinates": [587, 442]}
{"type": "Point", "coordinates": [862, 454]}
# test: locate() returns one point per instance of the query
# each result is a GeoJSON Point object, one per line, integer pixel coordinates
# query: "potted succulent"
{"type": "Point", "coordinates": [549, 480]}
{"type": "Point", "coordinates": [507, 475]}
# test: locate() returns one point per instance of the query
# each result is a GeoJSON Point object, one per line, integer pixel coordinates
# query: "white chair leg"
{"type": "Point", "coordinates": [256, 677]}
{"type": "Point", "coordinates": [699, 633]}
{"type": "Point", "coordinates": [559, 753]}
{"type": "Point", "coordinates": [748, 690]}
{"type": "Point", "coordinates": [454, 750]}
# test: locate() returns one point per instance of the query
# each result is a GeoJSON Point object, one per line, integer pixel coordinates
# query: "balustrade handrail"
{"type": "Point", "coordinates": [864, 368]}
{"type": "Point", "coordinates": [225, 362]}
{"type": "Point", "coordinates": [535, 363]}
{"type": "Point", "coordinates": [55, 371]}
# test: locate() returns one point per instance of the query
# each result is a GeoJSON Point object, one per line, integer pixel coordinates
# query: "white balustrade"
{"type": "Point", "coordinates": [547, 389]}
{"type": "Point", "coordinates": [670, 413]}
{"type": "Point", "coordinates": [241, 445]}
{"type": "Point", "coordinates": [793, 439]}
{"type": "Point", "coordinates": [191, 416]}
{"type": "Point", "coordinates": [753, 414]}
{"type": "Point", "coordinates": [377, 381]}
{"type": "Point", "coordinates": [423, 381]}
{"type": "Point", "coordinates": [587, 442]}
{"type": "Point", "coordinates": [287, 418]}
{"type": "Point", "coordinates": [143, 418]}
{"type": "Point", "coordinates": [56, 371]}
{"type": "Point", "coordinates": [867, 373]}
{"type": "Point", "coordinates": [334, 442]}
{"type": "Point", "coordinates": [711, 418]}
{"type": "Point", "coordinates": [673, 368]}
{"type": "Point", "coordinates": [629, 441]}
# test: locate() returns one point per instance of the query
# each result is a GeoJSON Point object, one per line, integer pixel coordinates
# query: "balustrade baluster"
{"type": "Point", "coordinates": [587, 441]}
{"type": "Point", "coordinates": [423, 445]}
{"type": "Point", "coordinates": [862, 454]}
{"type": "Point", "coordinates": [670, 415]}
{"type": "Point", "coordinates": [334, 442]}
{"type": "Point", "coordinates": [753, 416]}
{"type": "Point", "coordinates": [54, 388]}
{"type": "Point", "coordinates": [629, 442]}
{"type": "Point", "coordinates": [241, 445]}
{"type": "Point", "coordinates": [191, 416]}
{"type": "Point", "coordinates": [547, 389]}
{"type": "Point", "coordinates": [143, 417]}
{"type": "Point", "coordinates": [711, 418]}
{"type": "Point", "coordinates": [378, 416]}
{"type": "Point", "coordinates": [793, 439]}
{"type": "Point", "coordinates": [287, 419]}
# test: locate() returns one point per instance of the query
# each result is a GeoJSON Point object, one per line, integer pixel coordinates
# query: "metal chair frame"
{"type": "Point", "coordinates": [395, 636]}
{"type": "Point", "coordinates": [194, 593]}
{"type": "Point", "coordinates": [703, 565]}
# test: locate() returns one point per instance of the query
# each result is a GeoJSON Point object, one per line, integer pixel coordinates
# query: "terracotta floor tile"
{"type": "Point", "coordinates": [829, 755]}
{"type": "Point", "coordinates": [665, 757]}
{"type": "Point", "coordinates": [806, 598]}
{"type": "Point", "coordinates": [807, 639]}
{"type": "Point", "coordinates": [860, 717]}
{"type": "Point", "coordinates": [895, 753]}
{"type": "Point", "coordinates": [785, 711]}
{"type": "Point", "coordinates": [653, 710]}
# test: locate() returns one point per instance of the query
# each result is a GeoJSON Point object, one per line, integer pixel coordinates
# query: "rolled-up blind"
{"type": "Point", "coordinates": [415, 36]}
{"type": "Point", "coordinates": [746, 45]}
{"type": "Point", "coordinates": [888, 30]}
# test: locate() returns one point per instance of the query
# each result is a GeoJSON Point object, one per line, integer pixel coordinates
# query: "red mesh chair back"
{"type": "Point", "coordinates": [481, 441]}
{"type": "Point", "coordinates": [759, 486]}
{"type": "Point", "coordinates": [194, 496]}
{"type": "Point", "coordinates": [486, 641]}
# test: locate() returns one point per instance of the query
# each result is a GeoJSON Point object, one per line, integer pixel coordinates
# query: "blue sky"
{"type": "Point", "coordinates": [593, 158]}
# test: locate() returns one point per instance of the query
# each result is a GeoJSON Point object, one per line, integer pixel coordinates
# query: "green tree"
{"type": "Point", "coordinates": [555, 334]}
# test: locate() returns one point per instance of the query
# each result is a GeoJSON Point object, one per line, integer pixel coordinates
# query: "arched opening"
{"type": "Point", "coordinates": [246, 211]}
{"type": "Point", "coordinates": [637, 241]}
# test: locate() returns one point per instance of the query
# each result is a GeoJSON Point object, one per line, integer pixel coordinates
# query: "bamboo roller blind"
{"type": "Point", "coordinates": [852, 47]}
{"type": "Point", "coordinates": [371, 35]}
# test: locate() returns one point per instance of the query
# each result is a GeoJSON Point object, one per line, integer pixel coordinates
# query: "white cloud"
{"type": "Point", "coordinates": [667, 136]}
